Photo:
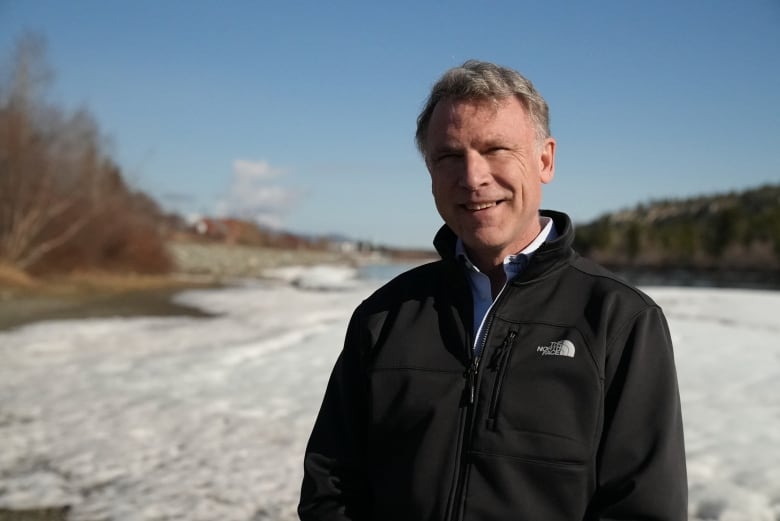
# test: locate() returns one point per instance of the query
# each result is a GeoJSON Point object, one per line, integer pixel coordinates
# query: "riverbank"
{"type": "Point", "coordinates": [24, 299]}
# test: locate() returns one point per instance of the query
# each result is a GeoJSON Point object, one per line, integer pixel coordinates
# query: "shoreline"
{"type": "Point", "coordinates": [28, 309]}
{"type": "Point", "coordinates": [26, 300]}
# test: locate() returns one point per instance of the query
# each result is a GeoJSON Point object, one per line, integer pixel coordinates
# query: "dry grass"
{"type": "Point", "coordinates": [95, 281]}
{"type": "Point", "coordinates": [15, 283]}
{"type": "Point", "coordinates": [25, 299]}
{"type": "Point", "coordinates": [11, 277]}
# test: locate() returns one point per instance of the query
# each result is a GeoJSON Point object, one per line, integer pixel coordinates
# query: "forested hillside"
{"type": "Point", "coordinates": [732, 231]}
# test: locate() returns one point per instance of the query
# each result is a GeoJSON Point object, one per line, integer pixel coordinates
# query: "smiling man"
{"type": "Point", "coordinates": [487, 167]}
{"type": "Point", "coordinates": [512, 379]}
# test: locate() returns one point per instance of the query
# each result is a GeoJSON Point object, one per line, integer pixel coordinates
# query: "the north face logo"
{"type": "Point", "coordinates": [562, 348]}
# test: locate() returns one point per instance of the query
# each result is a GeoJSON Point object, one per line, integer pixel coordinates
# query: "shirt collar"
{"type": "Point", "coordinates": [517, 261]}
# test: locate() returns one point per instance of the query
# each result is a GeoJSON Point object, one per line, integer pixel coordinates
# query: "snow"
{"type": "Point", "coordinates": [204, 419]}
{"type": "Point", "coordinates": [316, 277]}
{"type": "Point", "coordinates": [728, 360]}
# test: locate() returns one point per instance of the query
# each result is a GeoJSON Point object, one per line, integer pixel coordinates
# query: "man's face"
{"type": "Point", "coordinates": [487, 169]}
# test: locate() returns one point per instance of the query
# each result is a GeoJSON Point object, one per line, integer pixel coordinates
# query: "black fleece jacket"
{"type": "Point", "coordinates": [572, 411]}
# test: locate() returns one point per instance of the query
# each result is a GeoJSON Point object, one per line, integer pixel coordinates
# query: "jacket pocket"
{"type": "Point", "coordinates": [543, 397]}
{"type": "Point", "coordinates": [500, 362]}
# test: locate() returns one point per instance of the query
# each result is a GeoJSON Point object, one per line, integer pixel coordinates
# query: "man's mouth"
{"type": "Point", "coordinates": [475, 207]}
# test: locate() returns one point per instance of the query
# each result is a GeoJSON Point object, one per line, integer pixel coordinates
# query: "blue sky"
{"type": "Point", "coordinates": [303, 113]}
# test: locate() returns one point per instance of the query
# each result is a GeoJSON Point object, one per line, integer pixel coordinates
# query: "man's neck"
{"type": "Point", "coordinates": [492, 263]}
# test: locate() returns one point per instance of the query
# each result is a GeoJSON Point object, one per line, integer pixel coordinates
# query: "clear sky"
{"type": "Point", "coordinates": [303, 113]}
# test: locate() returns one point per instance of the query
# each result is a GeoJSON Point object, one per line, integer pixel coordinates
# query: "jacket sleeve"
{"type": "Point", "coordinates": [334, 486]}
{"type": "Point", "coordinates": [641, 459]}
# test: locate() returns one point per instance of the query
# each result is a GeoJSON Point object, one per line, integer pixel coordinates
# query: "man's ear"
{"type": "Point", "coordinates": [547, 161]}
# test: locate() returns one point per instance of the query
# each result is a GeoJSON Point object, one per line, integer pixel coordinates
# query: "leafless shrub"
{"type": "Point", "coordinates": [64, 204]}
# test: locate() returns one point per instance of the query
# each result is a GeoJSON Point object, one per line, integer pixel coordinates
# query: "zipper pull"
{"type": "Point", "coordinates": [495, 361]}
{"type": "Point", "coordinates": [471, 380]}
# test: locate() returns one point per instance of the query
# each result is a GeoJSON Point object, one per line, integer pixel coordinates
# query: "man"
{"type": "Point", "coordinates": [512, 379]}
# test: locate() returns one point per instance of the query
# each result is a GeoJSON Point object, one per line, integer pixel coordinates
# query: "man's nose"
{"type": "Point", "coordinates": [476, 171]}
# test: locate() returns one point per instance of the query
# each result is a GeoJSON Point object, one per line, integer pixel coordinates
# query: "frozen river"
{"type": "Point", "coordinates": [206, 419]}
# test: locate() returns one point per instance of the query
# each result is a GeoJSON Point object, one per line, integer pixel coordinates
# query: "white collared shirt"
{"type": "Point", "coordinates": [513, 264]}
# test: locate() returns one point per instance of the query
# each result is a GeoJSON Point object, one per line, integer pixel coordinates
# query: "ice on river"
{"type": "Point", "coordinates": [206, 419]}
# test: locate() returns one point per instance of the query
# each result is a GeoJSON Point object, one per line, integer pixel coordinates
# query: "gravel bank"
{"type": "Point", "coordinates": [223, 261]}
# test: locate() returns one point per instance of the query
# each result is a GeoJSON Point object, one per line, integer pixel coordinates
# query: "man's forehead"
{"type": "Point", "coordinates": [454, 107]}
{"type": "Point", "coordinates": [451, 114]}
{"type": "Point", "coordinates": [452, 104]}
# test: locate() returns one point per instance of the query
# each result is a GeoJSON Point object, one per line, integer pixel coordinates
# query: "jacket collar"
{"type": "Point", "coordinates": [445, 239]}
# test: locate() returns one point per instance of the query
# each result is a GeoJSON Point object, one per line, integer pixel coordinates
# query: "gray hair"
{"type": "Point", "coordinates": [480, 80]}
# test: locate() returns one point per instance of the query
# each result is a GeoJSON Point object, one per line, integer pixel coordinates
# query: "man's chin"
{"type": "Point", "coordinates": [479, 244]}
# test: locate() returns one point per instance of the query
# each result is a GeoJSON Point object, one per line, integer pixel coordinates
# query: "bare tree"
{"type": "Point", "coordinates": [59, 192]}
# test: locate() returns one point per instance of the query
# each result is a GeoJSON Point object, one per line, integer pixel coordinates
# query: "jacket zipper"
{"type": "Point", "coordinates": [471, 374]}
{"type": "Point", "coordinates": [470, 397]}
{"type": "Point", "coordinates": [468, 426]}
{"type": "Point", "coordinates": [471, 380]}
{"type": "Point", "coordinates": [500, 362]}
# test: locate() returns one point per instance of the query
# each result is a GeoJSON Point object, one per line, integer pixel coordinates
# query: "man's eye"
{"type": "Point", "coordinates": [446, 157]}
